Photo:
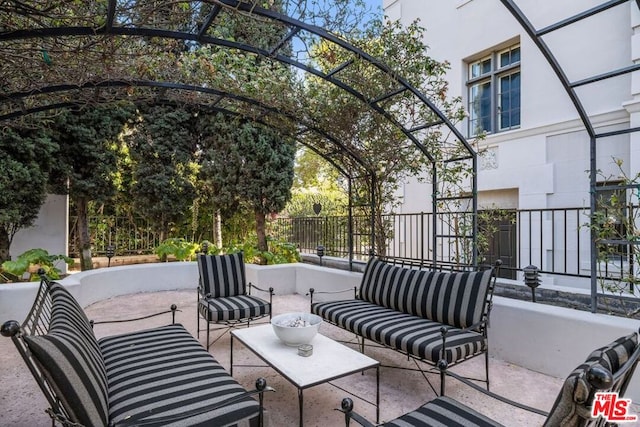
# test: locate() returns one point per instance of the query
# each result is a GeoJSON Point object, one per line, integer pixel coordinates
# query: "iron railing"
{"type": "Point", "coordinates": [557, 241]}
{"type": "Point", "coordinates": [129, 236]}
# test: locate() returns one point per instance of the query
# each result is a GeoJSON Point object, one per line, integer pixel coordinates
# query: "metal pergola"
{"type": "Point", "coordinates": [92, 30]}
{"type": "Point", "coordinates": [538, 37]}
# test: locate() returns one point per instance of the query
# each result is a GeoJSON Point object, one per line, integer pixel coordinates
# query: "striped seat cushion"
{"type": "Point", "coordinates": [443, 412]}
{"type": "Point", "coordinates": [233, 308]}
{"type": "Point", "coordinates": [71, 359]}
{"type": "Point", "coordinates": [222, 275]}
{"type": "Point", "coordinates": [572, 403]}
{"type": "Point", "coordinates": [456, 299]}
{"type": "Point", "coordinates": [415, 335]}
{"type": "Point", "coordinates": [163, 372]}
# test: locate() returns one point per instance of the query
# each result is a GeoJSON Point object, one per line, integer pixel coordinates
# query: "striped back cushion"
{"type": "Point", "coordinates": [72, 362]}
{"type": "Point", "coordinates": [572, 404]}
{"type": "Point", "coordinates": [456, 299]}
{"type": "Point", "coordinates": [222, 275]}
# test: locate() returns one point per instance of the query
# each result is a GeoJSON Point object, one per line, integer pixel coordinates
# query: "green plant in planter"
{"type": "Point", "coordinates": [179, 247]}
{"type": "Point", "coordinates": [280, 252]}
{"type": "Point", "coordinates": [30, 261]}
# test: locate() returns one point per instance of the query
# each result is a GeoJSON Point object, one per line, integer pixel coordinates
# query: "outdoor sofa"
{"type": "Point", "coordinates": [154, 377]}
{"type": "Point", "coordinates": [427, 315]}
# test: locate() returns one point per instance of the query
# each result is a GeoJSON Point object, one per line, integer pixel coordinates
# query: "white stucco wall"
{"type": "Point", "coordinates": [50, 231]}
{"type": "Point", "coordinates": [546, 158]}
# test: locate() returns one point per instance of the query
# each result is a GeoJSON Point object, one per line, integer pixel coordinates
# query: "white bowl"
{"type": "Point", "coordinates": [283, 326]}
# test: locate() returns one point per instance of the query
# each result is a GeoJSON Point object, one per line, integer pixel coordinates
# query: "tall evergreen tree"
{"type": "Point", "coordinates": [87, 161]}
{"type": "Point", "coordinates": [162, 149]}
{"type": "Point", "coordinates": [249, 165]}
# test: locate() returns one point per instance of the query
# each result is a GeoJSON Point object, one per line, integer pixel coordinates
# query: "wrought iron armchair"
{"type": "Point", "coordinates": [607, 369]}
{"type": "Point", "coordinates": [224, 296]}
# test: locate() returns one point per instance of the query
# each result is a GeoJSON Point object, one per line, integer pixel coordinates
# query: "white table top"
{"type": "Point", "coordinates": [329, 360]}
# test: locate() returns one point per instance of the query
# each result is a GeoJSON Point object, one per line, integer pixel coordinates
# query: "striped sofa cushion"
{"type": "Point", "coordinates": [71, 359]}
{"type": "Point", "coordinates": [456, 299]}
{"type": "Point", "coordinates": [233, 308]}
{"type": "Point", "coordinates": [222, 275]}
{"type": "Point", "coordinates": [416, 335]}
{"type": "Point", "coordinates": [443, 411]}
{"type": "Point", "coordinates": [163, 372]}
{"type": "Point", "coordinates": [572, 403]}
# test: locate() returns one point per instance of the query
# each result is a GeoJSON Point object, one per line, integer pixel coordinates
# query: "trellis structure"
{"type": "Point", "coordinates": [60, 54]}
{"type": "Point", "coordinates": [595, 137]}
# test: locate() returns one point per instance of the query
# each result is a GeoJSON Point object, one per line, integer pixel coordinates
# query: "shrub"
{"type": "Point", "coordinates": [180, 248]}
{"type": "Point", "coordinates": [30, 261]}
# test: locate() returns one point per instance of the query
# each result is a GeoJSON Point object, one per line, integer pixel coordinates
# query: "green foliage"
{"type": "Point", "coordinates": [31, 258]}
{"type": "Point", "coordinates": [180, 248]}
{"type": "Point", "coordinates": [246, 165]}
{"type": "Point", "coordinates": [280, 252]}
{"type": "Point", "coordinates": [382, 147]}
{"type": "Point", "coordinates": [26, 154]}
{"type": "Point", "coordinates": [615, 228]}
{"type": "Point", "coordinates": [87, 160]}
{"type": "Point", "coordinates": [162, 148]}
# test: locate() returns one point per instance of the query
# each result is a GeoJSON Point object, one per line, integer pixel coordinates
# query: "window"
{"type": "Point", "coordinates": [494, 92]}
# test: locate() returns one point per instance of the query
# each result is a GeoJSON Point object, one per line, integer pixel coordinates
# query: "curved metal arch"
{"type": "Point", "coordinates": [536, 36]}
{"type": "Point", "coordinates": [110, 29]}
{"type": "Point", "coordinates": [182, 86]}
{"type": "Point", "coordinates": [249, 7]}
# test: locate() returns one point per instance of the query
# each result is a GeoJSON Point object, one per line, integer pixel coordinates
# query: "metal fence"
{"type": "Point", "coordinates": [557, 241]}
{"type": "Point", "coordinates": [129, 236]}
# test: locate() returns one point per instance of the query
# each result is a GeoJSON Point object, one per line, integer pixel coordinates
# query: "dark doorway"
{"type": "Point", "coordinates": [500, 232]}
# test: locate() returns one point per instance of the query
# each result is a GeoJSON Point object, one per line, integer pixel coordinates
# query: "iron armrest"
{"type": "Point", "coordinates": [139, 420]}
{"type": "Point", "coordinates": [598, 377]}
{"type": "Point", "coordinates": [270, 290]}
{"type": "Point", "coordinates": [312, 291]}
{"type": "Point", "coordinates": [346, 407]}
{"type": "Point", "coordinates": [442, 365]}
{"type": "Point", "coordinates": [171, 310]}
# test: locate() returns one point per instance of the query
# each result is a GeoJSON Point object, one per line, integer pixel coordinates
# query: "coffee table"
{"type": "Point", "coordinates": [330, 360]}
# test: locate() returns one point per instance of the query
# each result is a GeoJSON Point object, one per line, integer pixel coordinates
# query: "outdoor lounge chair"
{"type": "Point", "coordinates": [224, 297]}
{"type": "Point", "coordinates": [607, 369]}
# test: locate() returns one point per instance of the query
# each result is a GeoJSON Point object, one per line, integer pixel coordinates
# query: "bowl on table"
{"type": "Point", "coordinates": [295, 329]}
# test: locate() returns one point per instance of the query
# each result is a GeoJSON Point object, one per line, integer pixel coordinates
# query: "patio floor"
{"type": "Point", "coordinates": [22, 403]}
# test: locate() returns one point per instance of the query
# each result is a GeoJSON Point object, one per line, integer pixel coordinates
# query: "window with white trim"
{"type": "Point", "coordinates": [493, 84]}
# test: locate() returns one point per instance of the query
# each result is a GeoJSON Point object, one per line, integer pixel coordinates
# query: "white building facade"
{"type": "Point", "coordinates": [537, 151]}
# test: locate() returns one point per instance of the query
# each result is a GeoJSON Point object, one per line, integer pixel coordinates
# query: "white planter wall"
{"type": "Point", "coordinates": [547, 339]}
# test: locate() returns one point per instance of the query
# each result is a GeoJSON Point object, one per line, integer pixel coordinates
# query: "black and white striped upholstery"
{"type": "Point", "coordinates": [456, 299]}
{"type": "Point", "coordinates": [415, 335]}
{"type": "Point", "coordinates": [165, 371]}
{"type": "Point", "coordinates": [222, 294]}
{"type": "Point", "coordinates": [573, 401]}
{"type": "Point", "coordinates": [609, 368]}
{"type": "Point", "coordinates": [443, 412]}
{"type": "Point", "coordinates": [222, 275]}
{"type": "Point", "coordinates": [232, 308]}
{"type": "Point", "coordinates": [406, 308]}
{"type": "Point", "coordinates": [70, 358]}
{"type": "Point", "coordinates": [157, 377]}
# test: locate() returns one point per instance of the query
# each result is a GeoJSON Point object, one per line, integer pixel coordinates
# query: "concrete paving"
{"type": "Point", "coordinates": [22, 403]}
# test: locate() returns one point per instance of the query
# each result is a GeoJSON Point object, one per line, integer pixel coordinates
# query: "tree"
{"type": "Point", "coordinates": [162, 148]}
{"type": "Point", "coordinates": [87, 161]}
{"type": "Point", "coordinates": [248, 165]}
{"type": "Point", "coordinates": [25, 160]}
{"type": "Point", "coordinates": [381, 146]}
